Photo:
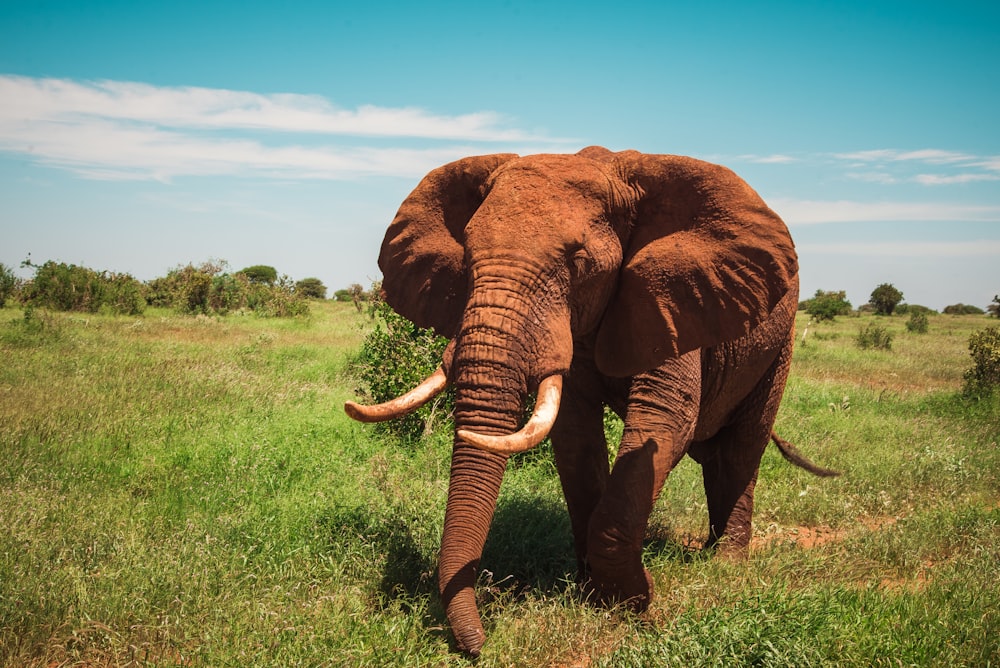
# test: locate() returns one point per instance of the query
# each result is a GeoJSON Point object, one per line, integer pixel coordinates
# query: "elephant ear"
{"type": "Point", "coordinates": [423, 256]}
{"type": "Point", "coordinates": [706, 261]}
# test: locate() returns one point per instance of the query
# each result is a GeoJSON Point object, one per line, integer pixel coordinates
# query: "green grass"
{"type": "Point", "coordinates": [187, 491]}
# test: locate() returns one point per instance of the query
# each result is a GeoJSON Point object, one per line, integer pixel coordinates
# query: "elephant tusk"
{"type": "Point", "coordinates": [536, 429]}
{"type": "Point", "coordinates": [400, 406]}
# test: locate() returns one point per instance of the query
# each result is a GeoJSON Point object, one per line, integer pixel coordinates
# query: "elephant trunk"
{"type": "Point", "coordinates": [490, 374]}
{"type": "Point", "coordinates": [476, 476]}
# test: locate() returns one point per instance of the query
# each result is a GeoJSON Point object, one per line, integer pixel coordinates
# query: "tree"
{"type": "Point", "coordinates": [261, 273]}
{"type": "Point", "coordinates": [884, 298]}
{"type": "Point", "coordinates": [826, 305]}
{"type": "Point", "coordinates": [994, 308]}
{"type": "Point", "coordinates": [311, 288]}
{"type": "Point", "coordinates": [962, 309]}
{"type": "Point", "coordinates": [7, 283]}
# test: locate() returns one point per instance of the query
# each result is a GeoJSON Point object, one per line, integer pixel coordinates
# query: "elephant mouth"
{"type": "Point", "coordinates": [534, 431]}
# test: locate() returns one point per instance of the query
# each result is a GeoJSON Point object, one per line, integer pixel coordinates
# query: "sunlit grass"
{"type": "Point", "coordinates": [187, 491]}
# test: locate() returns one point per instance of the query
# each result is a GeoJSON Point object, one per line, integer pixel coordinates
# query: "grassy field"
{"type": "Point", "coordinates": [180, 491]}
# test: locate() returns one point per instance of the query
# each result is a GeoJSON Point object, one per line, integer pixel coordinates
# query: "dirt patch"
{"type": "Point", "coordinates": [810, 537]}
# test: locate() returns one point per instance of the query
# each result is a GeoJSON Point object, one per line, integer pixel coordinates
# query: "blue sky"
{"type": "Point", "coordinates": [139, 136]}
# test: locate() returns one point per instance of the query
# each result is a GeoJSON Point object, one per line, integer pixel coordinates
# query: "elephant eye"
{"type": "Point", "coordinates": [581, 261]}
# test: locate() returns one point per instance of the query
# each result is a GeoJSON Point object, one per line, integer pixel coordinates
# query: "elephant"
{"type": "Point", "coordinates": [660, 286]}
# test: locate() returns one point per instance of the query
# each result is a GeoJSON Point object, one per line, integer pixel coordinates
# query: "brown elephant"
{"type": "Point", "coordinates": [658, 285]}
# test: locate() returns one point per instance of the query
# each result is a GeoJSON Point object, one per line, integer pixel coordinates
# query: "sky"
{"type": "Point", "coordinates": [141, 136]}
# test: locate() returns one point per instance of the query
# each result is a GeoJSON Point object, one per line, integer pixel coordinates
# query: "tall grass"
{"type": "Point", "coordinates": [187, 491]}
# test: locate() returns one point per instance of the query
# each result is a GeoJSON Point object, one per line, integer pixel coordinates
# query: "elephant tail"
{"type": "Point", "coordinates": [792, 454]}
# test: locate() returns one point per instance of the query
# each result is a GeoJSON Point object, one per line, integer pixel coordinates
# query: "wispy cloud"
{"type": "Point", "coordinates": [936, 249]}
{"type": "Point", "coordinates": [892, 166]}
{"type": "Point", "coordinates": [811, 212]}
{"type": "Point", "coordinates": [126, 130]}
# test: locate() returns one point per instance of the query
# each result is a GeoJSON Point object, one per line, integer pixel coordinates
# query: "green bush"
{"type": "Point", "coordinates": [884, 298]}
{"type": "Point", "coordinates": [917, 322]}
{"type": "Point", "coordinates": [310, 288]}
{"type": "Point", "coordinates": [984, 375]}
{"type": "Point", "coordinates": [826, 305]}
{"type": "Point", "coordinates": [68, 287]}
{"type": "Point", "coordinates": [209, 289]}
{"type": "Point", "coordinates": [962, 309]}
{"type": "Point", "coordinates": [8, 283]}
{"type": "Point", "coordinates": [396, 356]}
{"type": "Point", "coordinates": [874, 336]}
{"type": "Point", "coordinates": [260, 273]}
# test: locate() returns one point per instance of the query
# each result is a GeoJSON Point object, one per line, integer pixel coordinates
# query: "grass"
{"type": "Point", "coordinates": [187, 491]}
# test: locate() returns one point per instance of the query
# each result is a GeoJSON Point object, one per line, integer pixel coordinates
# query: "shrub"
{"type": "Point", "coordinates": [311, 288]}
{"type": "Point", "coordinates": [395, 356]}
{"type": "Point", "coordinates": [874, 336]}
{"type": "Point", "coordinates": [962, 309]}
{"type": "Point", "coordinates": [917, 323]}
{"type": "Point", "coordinates": [884, 298]}
{"type": "Point", "coordinates": [994, 307]}
{"type": "Point", "coordinates": [826, 305]}
{"type": "Point", "coordinates": [68, 287]}
{"type": "Point", "coordinates": [209, 289]}
{"type": "Point", "coordinates": [910, 309]}
{"type": "Point", "coordinates": [8, 283]}
{"type": "Point", "coordinates": [984, 375]}
{"type": "Point", "coordinates": [260, 273]}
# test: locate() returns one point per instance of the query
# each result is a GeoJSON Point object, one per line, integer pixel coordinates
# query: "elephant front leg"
{"type": "Point", "coordinates": [659, 424]}
{"type": "Point", "coordinates": [581, 454]}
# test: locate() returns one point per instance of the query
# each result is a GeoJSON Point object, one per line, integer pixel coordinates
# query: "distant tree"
{"type": "Point", "coordinates": [261, 273]}
{"type": "Point", "coordinates": [826, 305]}
{"type": "Point", "coordinates": [910, 309]}
{"type": "Point", "coordinates": [342, 295]}
{"type": "Point", "coordinates": [7, 283]}
{"type": "Point", "coordinates": [311, 288]}
{"type": "Point", "coordinates": [963, 309]}
{"type": "Point", "coordinates": [994, 308]}
{"type": "Point", "coordinates": [884, 298]}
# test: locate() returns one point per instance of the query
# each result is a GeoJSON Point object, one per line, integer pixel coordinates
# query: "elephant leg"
{"type": "Point", "coordinates": [730, 461]}
{"type": "Point", "coordinates": [581, 453]}
{"type": "Point", "coordinates": [659, 425]}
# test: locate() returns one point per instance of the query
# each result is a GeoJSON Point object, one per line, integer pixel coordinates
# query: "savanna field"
{"type": "Point", "coordinates": [187, 491]}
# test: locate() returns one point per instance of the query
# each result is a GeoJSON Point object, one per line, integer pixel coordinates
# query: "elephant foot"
{"type": "Point", "coordinates": [635, 591]}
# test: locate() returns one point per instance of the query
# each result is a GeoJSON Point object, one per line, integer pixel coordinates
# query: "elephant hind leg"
{"type": "Point", "coordinates": [729, 470]}
{"type": "Point", "coordinates": [730, 460]}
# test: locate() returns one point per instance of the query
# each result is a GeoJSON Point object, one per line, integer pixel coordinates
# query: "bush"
{"type": "Point", "coordinates": [260, 273]}
{"type": "Point", "coordinates": [984, 375]}
{"type": "Point", "coordinates": [826, 305]}
{"type": "Point", "coordinates": [962, 309]}
{"type": "Point", "coordinates": [208, 289]}
{"type": "Point", "coordinates": [874, 336]}
{"type": "Point", "coordinates": [311, 288]}
{"type": "Point", "coordinates": [917, 323]}
{"type": "Point", "coordinates": [8, 283]}
{"type": "Point", "coordinates": [394, 358]}
{"type": "Point", "coordinates": [994, 307]}
{"type": "Point", "coordinates": [910, 309]}
{"type": "Point", "coordinates": [884, 298]}
{"type": "Point", "coordinates": [68, 287]}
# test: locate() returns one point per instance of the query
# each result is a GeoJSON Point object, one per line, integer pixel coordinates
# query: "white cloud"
{"type": "Point", "coordinates": [938, 249]}
{"type": "Point", "coordinates": [125, 130]}
{"type": "Point", "coordinates": [930, 156]}
{"type": "Point", "coordinates": [811, 212]}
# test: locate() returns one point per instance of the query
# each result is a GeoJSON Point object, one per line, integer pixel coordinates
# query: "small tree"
{"type": "Point", "coordinates": [884, 298]}
{"type": "Point", "coordinates": [994, 308]}
{"type": "Point", "coordinates": [917, 322]}
{"type": "Point", "coordinates": [984, 376]}
{"type": "Point", "coordinates": [260, 273]}
{"type": "Point", "coordinates": [311, 288]}
{"type": "Point", "coordinates": [962, 309]}
{"type": "Point", "coordinates": [827, 305]}
{"type": "Point", "coordinates": [874, 336]}
{"type": "Point", "coordinates": [7, 283]}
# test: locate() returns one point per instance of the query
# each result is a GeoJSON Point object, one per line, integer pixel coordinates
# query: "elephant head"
{"type": "Point", "coordinates": [627, 258]}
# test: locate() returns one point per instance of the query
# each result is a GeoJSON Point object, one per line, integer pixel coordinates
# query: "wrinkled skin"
{"type": "Point", "coordinates": [658, 285]}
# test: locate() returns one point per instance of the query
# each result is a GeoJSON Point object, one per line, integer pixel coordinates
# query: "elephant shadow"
{"type": "Point", "coordinates": [529, 549]}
